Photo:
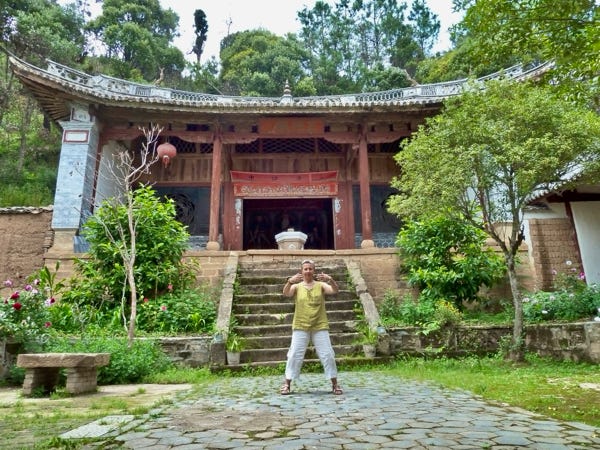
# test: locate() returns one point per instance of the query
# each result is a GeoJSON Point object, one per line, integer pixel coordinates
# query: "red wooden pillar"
{"type": "Point", "coordinates": [365, 192]}
{"type": "Point", "coordinates": [215, 193]}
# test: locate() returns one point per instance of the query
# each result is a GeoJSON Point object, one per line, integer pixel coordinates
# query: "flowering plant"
{"type": "Point", "coordinates": [24, 313]}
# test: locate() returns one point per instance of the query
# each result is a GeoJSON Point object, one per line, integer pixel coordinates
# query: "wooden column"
{"type": "Point", "coordinates": [365, 192]}
{"type": "Point", "coordinates": [215, 193]}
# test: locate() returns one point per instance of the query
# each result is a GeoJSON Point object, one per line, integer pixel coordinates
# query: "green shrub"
{"type": "Point", "coordinates": [446, 259]}
{"type": "Point", "coordinates": [127, 364]}
{"type": "Point", "coordinates": [186, 311]}
{"type": "Point", "coordinates": [160, 243]}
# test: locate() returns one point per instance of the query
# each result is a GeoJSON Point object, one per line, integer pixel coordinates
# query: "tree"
{"type": "Point", "coordinates": [137, 37]}
{"type": "Point", "coordinates": [566, 32]}
{"type": "Point", "coordinates": [487, 153]}
{"type": "Point", "coordinates": [201, 32]}
{"type": "Point", "coordinates": [351, 39]}
{"type": "Point", "coordinates": [136, 244]}
{"type": "Point", "coordinates": [426, 26]}
{"type": "Point", "coordinates": [258, 62]}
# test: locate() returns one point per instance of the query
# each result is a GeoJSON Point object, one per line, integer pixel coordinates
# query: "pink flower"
{"type": "Point", "coordinates": [48, 324]}
{"type": "Point", "coordinates": [169, 287]}
{"type": "Point", "coordinates": [28, 287]}
{"type": "Point", "coordinates": [582, 276]}
{"type": "Point", "coordinates": [36, 281]}
{"type": "Point", "coordinates": [17, 305]}
{"type": "Point", "coordinates": [554, 272]}
{"type": "Point", "coordinates": [15, 295]}
{"type": "Point", "coordinates": [49, 301]}
{"type": "Point", "coordinates": [163, 308]}
{"type": "Point", "coordinates": [8, 283]}
{"type": "Point", "coordinates": [146, 300]}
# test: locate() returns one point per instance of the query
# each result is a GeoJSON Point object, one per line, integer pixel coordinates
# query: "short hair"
{"type": "Point", "coordinates": [308, 261]}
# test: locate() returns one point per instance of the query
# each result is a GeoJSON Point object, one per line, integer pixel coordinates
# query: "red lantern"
{"type": "Point", "coordinates": [166, 151]}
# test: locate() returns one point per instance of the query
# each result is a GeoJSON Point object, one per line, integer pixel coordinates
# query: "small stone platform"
{"type": "Point", "coordinates": [42, 371]}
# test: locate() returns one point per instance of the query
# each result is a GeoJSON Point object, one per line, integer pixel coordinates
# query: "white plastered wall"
{"type": "Point", "coordinates": [586, 216]}
{"type": "Point", "coordinates": [109, 180]}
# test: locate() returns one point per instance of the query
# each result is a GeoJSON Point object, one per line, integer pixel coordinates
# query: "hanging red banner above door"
{"type": "Point", "coordinates": [282, 185]}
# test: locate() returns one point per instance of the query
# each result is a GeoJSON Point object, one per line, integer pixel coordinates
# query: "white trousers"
{"type": "Point", "coordinates": [300, 341]}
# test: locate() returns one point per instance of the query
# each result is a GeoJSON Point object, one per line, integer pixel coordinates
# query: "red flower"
{"type": "Point", "coordinates": [48, 324]}
{"type": "Point", "coordinates": [17, 305]}
{"type": "Point", "coordinates": [15, 295]}
{"type": "Point", "coordinates": [146, 300]}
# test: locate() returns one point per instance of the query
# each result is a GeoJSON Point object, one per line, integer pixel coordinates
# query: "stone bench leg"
{"type": "Point", "coordinates": [81, 380]}
{"type": "Point", "coordinates": [41, 377]}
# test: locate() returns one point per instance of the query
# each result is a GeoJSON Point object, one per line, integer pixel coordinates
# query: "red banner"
{"type": "Point", "coordinates": [283, 185]}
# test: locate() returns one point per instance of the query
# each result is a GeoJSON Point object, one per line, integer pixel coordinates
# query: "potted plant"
{"type": "Point", "coordinates": [369, 338]}
{"type": "Point", "coordinates": [234, 346]}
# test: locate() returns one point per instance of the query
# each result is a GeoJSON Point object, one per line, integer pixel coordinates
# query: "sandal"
{"type": "Point", "coordinates": [337, 390]}
{"type": "Point", "coordinates": [285, 389]}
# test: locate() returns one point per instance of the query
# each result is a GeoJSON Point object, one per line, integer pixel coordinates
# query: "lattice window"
{"type": "Point", "coordinates": [328, 147]}
{"type": "Point", "coordinates": [182, 146]}
{"type": "Point", "coordinates": [371, 148]}
{"type": "Point", "coordinates": [252, 147]}
{"type": "Point", "coordinates": [288, 145]}
{"type": "Point", "coordinates": [390, 147]}
{"type": "Point", "coordinates": [205, 147]}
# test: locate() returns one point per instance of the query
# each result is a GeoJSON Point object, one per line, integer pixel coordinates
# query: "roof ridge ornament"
{"type": "Point", "coordinates": [287, 98]}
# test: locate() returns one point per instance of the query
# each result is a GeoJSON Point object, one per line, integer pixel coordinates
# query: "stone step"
{"type": "Point", "coordinates": [344, 361]}
{"type": "Point", "coordinates": [286, 329]}
{"type": "Point", "coordinates": [276, 296]}
{"type": "Point", "coordinates": [287, 307]}
{"type": "Point", "coordinates": [280, 354]}
{"type": "Point", "coordinates": [281, 318]}
{"type": "Point", "coordinates": [283, 341]}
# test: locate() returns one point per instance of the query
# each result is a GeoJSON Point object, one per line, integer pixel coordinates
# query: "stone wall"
{"type": "Point", "coordinates": [579, 342]}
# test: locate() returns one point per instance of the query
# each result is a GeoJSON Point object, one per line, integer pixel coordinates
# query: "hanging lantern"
{"type": "Point", "coordinates": [166, 151]}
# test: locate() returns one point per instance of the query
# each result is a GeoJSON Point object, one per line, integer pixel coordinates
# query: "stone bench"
{"type": "Point", "coordinates": [42, 371]}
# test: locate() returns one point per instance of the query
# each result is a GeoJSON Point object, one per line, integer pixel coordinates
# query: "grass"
{"type": "Point", "coordinates": [539, 385]}
{"type": "Point", "coordinates": [544, 386]}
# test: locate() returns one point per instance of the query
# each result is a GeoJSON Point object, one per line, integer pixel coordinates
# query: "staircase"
{"type": "Point", "coordinates": [264, 315]}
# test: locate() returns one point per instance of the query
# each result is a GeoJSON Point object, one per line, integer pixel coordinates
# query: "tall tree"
{"type": "Point", "coordinates": [426, 25]}
{"type": "Point", "coordinates": [137, 36]}
{"type": "Point", "coordinates": [487, 153]}
{"type": "Point", "coordinates": [353, 38]}
{"type": "Point", "coordinates": [564, 31]}
{"type": "Point", "coordinates": [258, 62]}
{"type": "Point", "coordinates": [201, 32]}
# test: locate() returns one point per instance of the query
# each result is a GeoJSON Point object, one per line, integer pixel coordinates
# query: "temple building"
{"type": "Point", "coordinates": [245, 168]}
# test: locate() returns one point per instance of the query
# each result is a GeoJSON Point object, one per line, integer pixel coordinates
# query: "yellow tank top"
{"type": "Point", "coordinates": [310, 314]}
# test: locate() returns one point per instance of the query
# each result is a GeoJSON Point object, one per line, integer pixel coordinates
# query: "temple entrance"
{"type": "Point", "coordinates": [263, 219]}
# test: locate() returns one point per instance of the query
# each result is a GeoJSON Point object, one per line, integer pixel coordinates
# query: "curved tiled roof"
{"type": "Point", "coordinates": [109, 90]}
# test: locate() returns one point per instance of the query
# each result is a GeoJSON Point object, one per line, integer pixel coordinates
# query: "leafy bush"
{"type": "Point", "coordinates": [447, 260]}
{"type": "Point", "coordinates": [186, 311]}
{"type": "Point", "coordinates": [405, 311]}
{"type": "Point", "coordinates": [127, 364]}
{"type": "Point", "coordinates": [160, 243]}
{"type": "Point", "coordinates": [562, 305]}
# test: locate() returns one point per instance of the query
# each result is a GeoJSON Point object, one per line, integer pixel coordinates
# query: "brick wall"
{"type": "Point", "coordinates": [24, 237]}
{"type": "Point", "coordinates": [553, 244]}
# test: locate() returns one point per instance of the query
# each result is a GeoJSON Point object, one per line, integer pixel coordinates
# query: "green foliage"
{"type": "Point", "coordinates": [128, 364]}
{"type": "Point", "coordinates": [260, 63]}
{"type": "Point", "coordinates": [571, 299]}
{"type": "Point", "coordinates": [395, 311]}
{"type": "Point", "coordinates": [185, 311]}
{"type": "Point", "coordinates": [160, 242]}
{"type": "Point", "coordinates": [235, 342]}
{"type": "Point", "coordinates": [446, 259]}
{"type": "Point", "coordinates": [565, 32]}
{"type": "Point", "coordinates": [26, 314]}
{"type": "Point", "coordinates": [137, 36]}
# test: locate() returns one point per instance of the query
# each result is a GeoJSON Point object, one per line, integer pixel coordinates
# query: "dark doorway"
{"type": "Point", "coordinates": [263, 219]}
